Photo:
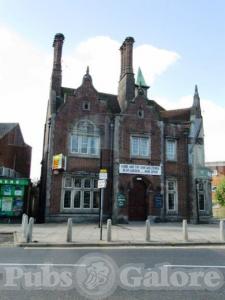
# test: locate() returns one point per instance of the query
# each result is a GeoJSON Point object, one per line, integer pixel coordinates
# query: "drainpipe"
{"type": "Point", "coordinates": [162, 179]}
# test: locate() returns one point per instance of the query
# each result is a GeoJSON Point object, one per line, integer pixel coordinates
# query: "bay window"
{"type": "Point", "coordinates": [80, 193]}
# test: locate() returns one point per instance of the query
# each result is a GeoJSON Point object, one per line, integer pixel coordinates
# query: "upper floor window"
{"type": "Point", "coordinates": [86, 105]}
{"type": "Point", "coordinates": [140, 146]}
{"type": "Point", "coordinates": [171, 149]}
{"type": "Point", "coordinates": [85, 139]}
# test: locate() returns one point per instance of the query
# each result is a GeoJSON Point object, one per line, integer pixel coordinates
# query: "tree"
{"type": "Point", "coordinates": [220, 192]}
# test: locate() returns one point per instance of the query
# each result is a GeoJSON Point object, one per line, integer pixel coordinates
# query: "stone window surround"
{"type": "Point", "coordinates": [171, 139]}
{"type": "Point", "coordinates": [92, 189]}
{"type": "Point", "coordinates": [75, 131]}
{"type": "Point", "coordinates": [175, 192]}
{"type": "Point", "coordinates": [138, 135]}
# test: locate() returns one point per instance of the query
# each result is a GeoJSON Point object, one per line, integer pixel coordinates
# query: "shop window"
{"type": "Point", "coordinates": [80, 193]}
{"type": "Point", "coordinates": [171, 195]}
{"type": "Point", "coordinates": [85, 139]}
{"type": "Point", "coordinates": [140, 146]}
{"type": "Point", "coordinates": [171, 149]}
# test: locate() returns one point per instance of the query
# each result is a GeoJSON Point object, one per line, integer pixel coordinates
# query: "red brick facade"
{"type": "Point", "coordinates": [129, 129]}
{"type": "Point", "coordinates": [14, 153]}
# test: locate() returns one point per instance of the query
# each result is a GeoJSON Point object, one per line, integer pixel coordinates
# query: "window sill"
{"type": "Point", "coordinates": [140, 157]}
{"type": "Point", "coordinates": [80, 210]}
{"type": "Point", "coordinates": [83, 155]}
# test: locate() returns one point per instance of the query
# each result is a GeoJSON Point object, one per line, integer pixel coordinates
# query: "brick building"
{"type": "Point", "coordinates": [154, 157]}
{"type": "Point", "coordinates": [218, 174]}
{"type": "Point", "coordinates": [15, 154]}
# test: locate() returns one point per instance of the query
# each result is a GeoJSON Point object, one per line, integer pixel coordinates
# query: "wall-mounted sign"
{"type": "Point", "coordinates": [204, 173]}
{"type": "Point", "coordinates": [59, 162]}
{"type": "Point", "coordinates": [14, 181]}
{"type": "Point", "coordinates": [139, 169]}
{"type": "Point", "coordinates": [121, 200]}
{"type": "Point", "coordinates": [158, 201]}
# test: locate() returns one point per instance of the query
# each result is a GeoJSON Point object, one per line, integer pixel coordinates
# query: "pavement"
{"type": "Point", "coordinates": [54, 234]}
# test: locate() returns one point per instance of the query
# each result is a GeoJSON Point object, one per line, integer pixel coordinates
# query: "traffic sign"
{"type": "Point", "coordinates": [101, 184]}
{"type": "Point", "coordinates": [103, 174]}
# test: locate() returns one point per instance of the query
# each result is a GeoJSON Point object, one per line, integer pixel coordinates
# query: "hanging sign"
{"type": "Point", "coordinates": [59, 162]}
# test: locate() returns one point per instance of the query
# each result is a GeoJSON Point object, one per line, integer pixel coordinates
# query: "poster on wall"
{"type": "Point", "coordinates": [18, 191]}
{"type": "Point", "coordinates": [6, 204]}
{"type": "Point", "coordinates": [7, 190]}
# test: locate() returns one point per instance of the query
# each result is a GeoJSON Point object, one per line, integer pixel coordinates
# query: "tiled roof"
{"type": "Point", "coordinates": [6, 127]}
{"type": "Point", "coordinates": [112, 102]}
{"type": "Point", "coordinates": [176, 114]}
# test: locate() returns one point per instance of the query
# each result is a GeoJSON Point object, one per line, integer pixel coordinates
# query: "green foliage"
{"type": "Point", "coordinates": [220, 193]}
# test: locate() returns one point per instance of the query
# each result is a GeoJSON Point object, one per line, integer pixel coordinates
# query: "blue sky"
{"type": "Point", "coordinates": [193, 30]}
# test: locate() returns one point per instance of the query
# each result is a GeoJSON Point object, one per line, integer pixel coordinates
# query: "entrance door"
{"type": "Point", "coordinates": [137, 208]}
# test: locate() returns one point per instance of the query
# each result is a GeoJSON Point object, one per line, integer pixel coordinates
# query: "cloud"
{"type": "Point", "coordinates": [25, 74]}
{"type": "Point", "coordinates": [103, 56]}
{"type": "Point", "coordinates": [24, 82]}
{"type": "Point", "coordinates": [214, 120]}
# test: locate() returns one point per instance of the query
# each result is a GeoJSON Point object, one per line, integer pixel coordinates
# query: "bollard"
{"type": "Point", "coordinates": [69, 230]}
{"type": "Point", "coordinates": [29, 230]}
{"type": "Point", "coordinates": [147, 233]}
{"type": "Point", "coordinates": [185, 231]}
{"type": "Point", "coordinates": [222, 239]}
{"type": "Point", "coordinates": [109, 230]}
{"type": "Point", "coordinates": [24, 225]}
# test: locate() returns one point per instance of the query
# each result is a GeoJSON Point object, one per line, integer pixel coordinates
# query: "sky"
{"type": "Point", "coordinates": [177, 44]}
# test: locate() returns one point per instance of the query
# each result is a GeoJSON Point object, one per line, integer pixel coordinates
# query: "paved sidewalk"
{"type": "Point", "coordinates": [133, 233]}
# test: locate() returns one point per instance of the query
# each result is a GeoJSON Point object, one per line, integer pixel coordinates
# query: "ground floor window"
{"type": "Point", "coordinates": [201, 196]}
{"type": "Point", "coordinates": [171, 195]}
{"type": "Point", "coordinates": [80, 193]}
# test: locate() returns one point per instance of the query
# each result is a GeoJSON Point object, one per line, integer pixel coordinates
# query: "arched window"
{"type": "Point", "coordinates": [85, 139]}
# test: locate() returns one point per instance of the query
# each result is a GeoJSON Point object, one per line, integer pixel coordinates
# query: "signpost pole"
{"type": "Point", "coordinates": [101, 212]}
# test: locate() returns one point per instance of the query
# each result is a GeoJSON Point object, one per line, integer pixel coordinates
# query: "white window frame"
{"type": "Point", "coordinates": [168, 157]}
{"type": "Point", "coordinates": [139, 155]}
{"type": "Point", "coordinates": [175, 192]}
{"type": "Point", "coordinates": [92, 189]}
{"type": "Point", "coordinates": [81, 136]}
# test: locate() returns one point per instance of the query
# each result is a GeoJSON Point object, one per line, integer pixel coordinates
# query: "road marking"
{"type": "Point", "coordinates": [43, 264]}
{"type": "Point", "coordinates": [193, 266]}
{"type": "Point", "coordinates": [126, 247]}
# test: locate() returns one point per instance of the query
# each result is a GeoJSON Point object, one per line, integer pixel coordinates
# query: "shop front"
{"type": "Point", "coordinates": [13, 197]}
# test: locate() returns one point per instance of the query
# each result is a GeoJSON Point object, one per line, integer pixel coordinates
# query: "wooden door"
{"type": "Point", "coordinates": [137, 208]}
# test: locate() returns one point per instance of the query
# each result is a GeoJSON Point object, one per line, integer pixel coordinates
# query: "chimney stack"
{"type": "Point", "coordinates": [126, 84]}
{"type": "Point", "coordinates": [57, 68]}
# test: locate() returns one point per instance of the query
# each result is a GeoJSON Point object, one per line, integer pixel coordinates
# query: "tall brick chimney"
{"type": "Point", "coordinates": [57, 68]}
{"type": "Point", "coordinates": [126, 84]}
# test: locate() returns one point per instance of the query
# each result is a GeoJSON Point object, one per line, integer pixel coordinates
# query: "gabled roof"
{"type": "Point", "coordinates": [176, 114]}
{"type": "Point", "coordinates": [112, 102]}
{"type": "Point", "coordinates": [6, 128]}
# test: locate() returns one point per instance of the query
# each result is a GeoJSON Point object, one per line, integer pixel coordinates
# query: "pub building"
{"type": "Point", "coordinates": [154, 157]}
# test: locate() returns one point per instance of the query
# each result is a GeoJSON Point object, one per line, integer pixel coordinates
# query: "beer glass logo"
{"type": "Point", "coordinates": [96, 276]}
